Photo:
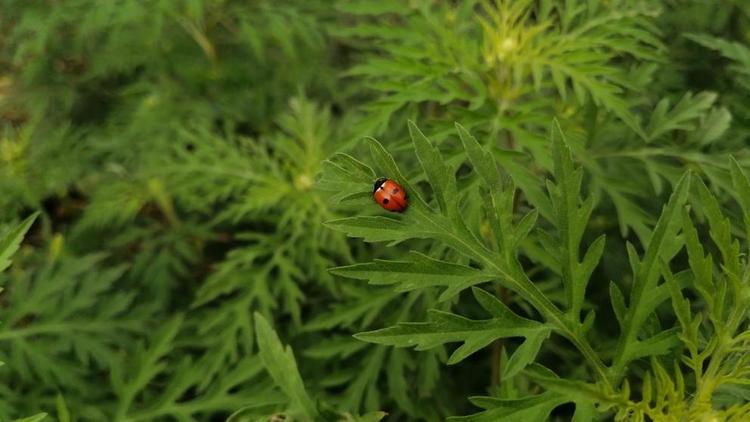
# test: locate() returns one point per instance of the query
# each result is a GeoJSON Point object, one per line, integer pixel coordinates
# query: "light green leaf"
{"type": "Point", "coordinates": [63, 414]}
{"type": "Point", "coordinates": [720, 229]}
{"type": "Point", "coordinates": [375, 228]}
{"type": "Point", "coordinates": [532, 408]}
{"type": "Point", "coordinates": [655, 345]}
{"type": "Point", "coordinates": [618, 302]}
{"type": "Point", "coordinates": [419, 273]}
{"type": "Point", "coordinates": [10, 242]}
{"type": "Point", "coordinates": [446, 327]}
{"type": "Point", "coordinates": [573, 390]}
{"type": "Point", "coordinates": [643, 300]}
{"type": "Point", "coordinates": [701, 265]}
{"type": "Point", "coordinates": [735, 51]}
{"type": "Point", "coordinates": [441, 177]}
{"type": "Point", "coordinates": [585, 411]}
{"type": "Point", "coordinates": [281, 365]}
{"type": "Point", "coordinates": [482, 161]}
{"type": "Point", "coordinates": [683, 116]}
{"type": "Point", "coordinates": [571, 216]}
{"type": "Point", "coordinates": [680, 305]}
{"type": "Point", "coordinates": [345, 176]}
{"type": "Point", "coordinates": [370, 417]}
{"type": "Point", "coordinates": [524, 354]}
{"type": "Point", "coordinates": [741, 191]}
{"type": "Point", "coordinates": [36, 418]}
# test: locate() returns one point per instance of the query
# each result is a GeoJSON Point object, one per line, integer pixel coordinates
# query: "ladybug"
{"type": "Point", "coordinates": [389, 195]}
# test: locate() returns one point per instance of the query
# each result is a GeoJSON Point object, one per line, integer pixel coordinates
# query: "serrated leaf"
{"type": "Point", "coordinates": [646, 272]}
{"type": "Point", "coordinates": [481, 160]}
{"type": "Point", "coordinates": [741, 191]}
{"type": "Point", "coordinates": [571, 217]}
{"type": "Point", "coordinates": [281, 365]}
{"type": "Point", "coordinates": [683, 116]}
{"type": "Point", "coordinates": [680, 305]}
{"type": "Point", "coordinates": [419, 273]}
{"type": "Point", "coordinates": [445, 327]}
{"type": "Point", "coordinates": [655, 345]}
{"type": "Point", "coordinates": [441, 178]}
{"type": "Point", "coordinates": [524, 355]}
{"type": "Point", "coordinates": [375, 228]}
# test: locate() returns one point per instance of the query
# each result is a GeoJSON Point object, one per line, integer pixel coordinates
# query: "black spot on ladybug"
{"type": "Point", "coordinates": [385, 201]}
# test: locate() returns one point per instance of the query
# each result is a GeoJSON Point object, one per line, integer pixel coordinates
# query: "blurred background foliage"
{"type": "Point", "coordinates": [175, 150]}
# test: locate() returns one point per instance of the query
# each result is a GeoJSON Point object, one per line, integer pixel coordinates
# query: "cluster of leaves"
{"type": "Point", "coordinates": [710, 340]}
{"type": "Point", "coordinates": [198, 165]}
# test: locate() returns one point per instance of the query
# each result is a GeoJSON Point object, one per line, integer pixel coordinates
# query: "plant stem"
{"type": "Point", "coordinates": [499, 344]}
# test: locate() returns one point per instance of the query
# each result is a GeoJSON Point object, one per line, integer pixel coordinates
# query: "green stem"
{"type": "Point", "coordinates": [13, 334]}
{"type": "Point", "coordinates": [528, 290]}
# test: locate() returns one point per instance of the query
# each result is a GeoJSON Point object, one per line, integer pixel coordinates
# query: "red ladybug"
{"type": "Point", "coordinates": [389, 195]}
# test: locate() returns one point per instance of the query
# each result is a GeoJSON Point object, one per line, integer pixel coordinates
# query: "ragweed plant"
{"type": "Point", "coordinates": [9, 243]}
{"type": "Point", "coordinates": [184, 157]}
{"type": "Point", "coordinates": [502, 68]}
{"type": "Point", "coordinates": [710, 336]}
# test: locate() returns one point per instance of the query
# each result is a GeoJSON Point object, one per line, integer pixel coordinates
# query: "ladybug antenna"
{"type": "Point", "coordinates": [378, 183]}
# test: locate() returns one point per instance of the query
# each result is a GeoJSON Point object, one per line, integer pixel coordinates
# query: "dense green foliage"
{"type": "Point", "coordinates": [207, 247]}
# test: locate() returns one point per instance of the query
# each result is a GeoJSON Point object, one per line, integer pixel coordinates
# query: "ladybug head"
{"type": "Point", "coordinates": [378, 183]}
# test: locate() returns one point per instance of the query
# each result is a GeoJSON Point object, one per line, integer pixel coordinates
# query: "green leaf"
{"type": "Point", "coordinates": [441, 177]}
{"type": "Point", "coordinates": [701, 265]}
{"type": "Point", "coordinates": [445, 327]}
{"type": "Point", "coordinates": [10, 242]}
{"type": "Point", "coordinates": [344, 176]}
{"type": "Point", "coordinates": [36, 418]}
{"type": "Point", "coordinates": [149, 362]}
{"type": "Point", "coordinates": [643, 300]}
{"type": "Point", "coordinates": [532, 408]}
{"type": "Point", "coordinates": [482, 161]}
{"type": "Point", "coordinates": [618, 302]}
{"type": "Point", "coordinates": [735, 51]}
{"type": "Point", "coordinates": [375, 228]}
{"type": "Point", "coordinates": [585, 412]}
{"type": "Point", "coordinates": [371, 417]}
{"type": "Point", "coordinates": [420, 273]}
{"type": "Point", "coordinates": [524, 355]}
{"type": "Point", "coordinates": [63, 413]}
{"type": "Point", "coordinates": [720, 229]}
{"type": "Point", "coordinates": [573, 390]}
{"type": "Point", "coordinates": [741, 191]}
{"type": "Point", "coordinates": [281, 365]}
{"type": "Point", "coordinates": [683, 116]}
{"type": "Point", "coordinates": [680, 305]}
{"type": "Point", "coordinates": [571, 216]}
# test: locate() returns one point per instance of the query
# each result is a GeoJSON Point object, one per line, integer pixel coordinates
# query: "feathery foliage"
{"type": "Point", "coordinates": [187, 228]}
